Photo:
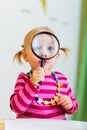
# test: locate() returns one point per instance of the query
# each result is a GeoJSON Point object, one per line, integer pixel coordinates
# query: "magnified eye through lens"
{"type": "Point", "coordinates": [45, 45]}
{"type": "Point", "coordinates": [36, 48]}
{"type": "Point", "coordinates": [50, 48]}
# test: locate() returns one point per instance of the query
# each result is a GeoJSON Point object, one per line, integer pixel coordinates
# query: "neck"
{"type": "Point", "coordinates": [47, 72]}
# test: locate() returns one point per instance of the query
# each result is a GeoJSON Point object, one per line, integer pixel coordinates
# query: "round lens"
{"type": "Point", "coordinates": [45, 45]}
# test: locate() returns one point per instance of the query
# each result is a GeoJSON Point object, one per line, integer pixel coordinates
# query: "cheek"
{"type": "Point", "coordinates": [52, 62]}
{"type": "Point", "coordinates": [31, 56]}
{"type": "Point", "coordinates": [34, 61]}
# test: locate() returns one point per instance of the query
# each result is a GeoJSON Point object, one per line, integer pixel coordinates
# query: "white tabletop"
{"type": "Point", "coordinates": [44, 124]}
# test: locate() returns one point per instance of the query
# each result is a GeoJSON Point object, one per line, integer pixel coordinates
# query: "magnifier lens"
{"type": "Point", "coordinates": [45, 46]}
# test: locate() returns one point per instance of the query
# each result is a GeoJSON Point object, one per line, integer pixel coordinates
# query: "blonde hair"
{"type": "Point", "coordinates": [28, 39]}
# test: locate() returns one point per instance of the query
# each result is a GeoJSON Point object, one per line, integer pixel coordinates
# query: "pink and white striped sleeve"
{"type": "Point", "coordinates": [74, 101]}
{"type": "Point", "coordinates": [24, 93]}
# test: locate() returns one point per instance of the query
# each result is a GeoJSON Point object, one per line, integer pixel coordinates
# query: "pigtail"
{"type": "Point", "coordinates": [17, 57]}
{"type": "Point", "coordinates": [65, 50]}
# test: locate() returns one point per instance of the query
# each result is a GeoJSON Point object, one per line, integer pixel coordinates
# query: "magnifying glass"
{"type": "Point", "coordinates": [45, 45]}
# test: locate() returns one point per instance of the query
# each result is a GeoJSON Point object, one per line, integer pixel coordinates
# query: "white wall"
{"type": "Point", "coordinates": [16, 19]}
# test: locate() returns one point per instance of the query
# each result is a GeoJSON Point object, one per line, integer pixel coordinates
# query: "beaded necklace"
{"type": "Point", "coordinates": [53, 100]}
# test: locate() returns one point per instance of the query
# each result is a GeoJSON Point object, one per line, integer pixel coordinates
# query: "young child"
{"type": "Point", "coordinates": [42, 93]}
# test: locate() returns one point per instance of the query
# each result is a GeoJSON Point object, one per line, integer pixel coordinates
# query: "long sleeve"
{"type": "Point", "coordinates": [73, 99]}
{"type": "Point", "coordinates": [23, 95]}
{"type": "Point", "coordinates": [24, 104]}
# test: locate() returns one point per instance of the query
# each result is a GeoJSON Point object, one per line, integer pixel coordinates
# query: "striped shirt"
{"type": "Point", "coordinates": [24, 104]}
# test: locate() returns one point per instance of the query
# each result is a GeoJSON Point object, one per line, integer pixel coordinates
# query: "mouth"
{"type": "Point", "coordinates": [45, 61]}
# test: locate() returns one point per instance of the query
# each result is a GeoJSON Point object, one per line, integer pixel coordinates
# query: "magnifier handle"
{"type": "Point", "coordinates": [42, 65]}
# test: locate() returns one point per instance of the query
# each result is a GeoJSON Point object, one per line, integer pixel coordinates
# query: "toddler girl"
{"type": "Point", "coordinates": [42, 93]}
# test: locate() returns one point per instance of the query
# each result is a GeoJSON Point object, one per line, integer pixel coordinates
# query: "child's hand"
{"type": "Point", "coordinates": [65, 102]}
{"type": "Point", "coordinates": [37, 75]}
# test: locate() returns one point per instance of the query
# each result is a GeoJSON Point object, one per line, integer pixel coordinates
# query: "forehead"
{"type": "Point", "coordinates": [43, 35]}
{"type": "Point", "coordinates": [44, 38]}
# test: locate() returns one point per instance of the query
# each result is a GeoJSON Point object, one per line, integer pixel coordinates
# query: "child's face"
{"type": "Point", "coordinates": [43, 51]}
{"type": "Point", "coordinates": [45, 46]}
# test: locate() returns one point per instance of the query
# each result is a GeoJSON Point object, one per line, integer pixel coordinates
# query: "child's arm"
{"type": "Point", "coordinates": [68, 102]}
{"type": "Point", "coordinates": [24, 93]}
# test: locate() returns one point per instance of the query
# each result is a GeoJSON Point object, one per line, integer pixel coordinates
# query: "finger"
{"type": "Point", "coordinates": [65, 103]}
{"type": "Point", "coordinates": [61, 100]}
{"type": "Point", "coordinates": [67, 106]}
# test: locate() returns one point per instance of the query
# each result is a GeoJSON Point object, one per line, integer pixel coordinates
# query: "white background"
{"type": "Point", "coordinates": [20, 16]}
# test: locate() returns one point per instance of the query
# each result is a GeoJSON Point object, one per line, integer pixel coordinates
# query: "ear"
{"type": "Point", "coordinates": [24, 55]}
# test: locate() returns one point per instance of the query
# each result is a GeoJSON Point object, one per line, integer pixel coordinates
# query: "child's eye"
{"type": "Point", "coordinates": [36, 48]}
{"type": "Point", "coordinates": [50, 48]}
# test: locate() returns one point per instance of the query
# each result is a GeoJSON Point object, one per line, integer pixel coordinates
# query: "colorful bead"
{"type": "Point", "coordinates": [58, 89]}
{"type": "Point", "coordinates": [37, 97]}
{"type": "Point", "coordinates": [54, 100]}
{"type": "Point", "coordinates": [60, 84]}
{"type": "Point", "coordinates": [53, 103]}
{"type": "Point", "coordinates": [39, 101]}
{"type": "Point", "coordinates": [46, 102]}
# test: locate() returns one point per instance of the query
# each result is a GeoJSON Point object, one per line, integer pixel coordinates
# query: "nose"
{"type": "Point", "coordinates": [43, 55]}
